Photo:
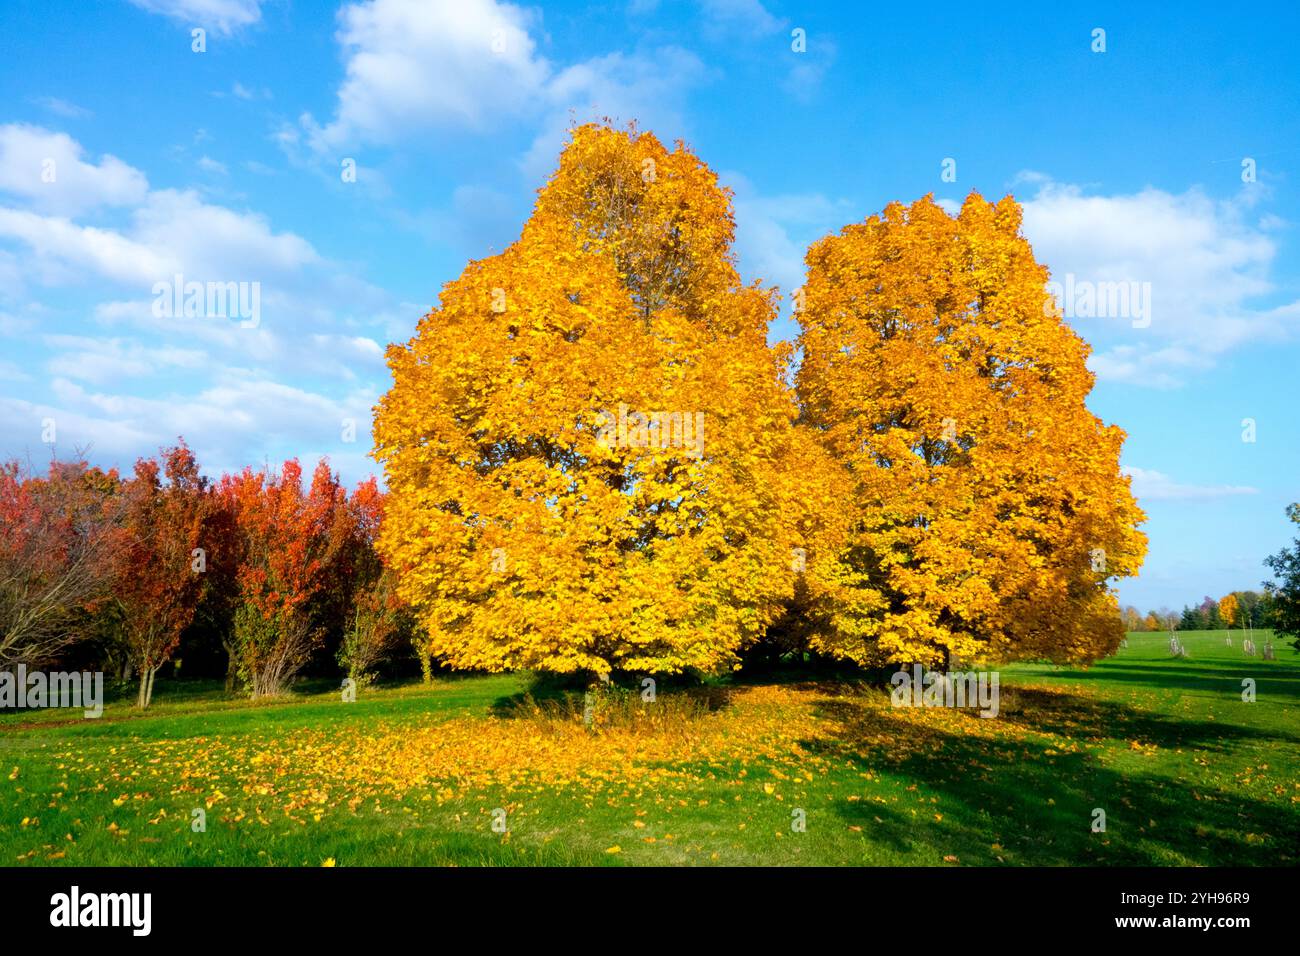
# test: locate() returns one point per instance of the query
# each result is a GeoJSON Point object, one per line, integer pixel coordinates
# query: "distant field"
{"type": "Point", "coordinates": [1186, 772]}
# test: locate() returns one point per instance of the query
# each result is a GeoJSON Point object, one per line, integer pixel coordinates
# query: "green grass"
{"type": "Point", "coordinates": [1186, 772]}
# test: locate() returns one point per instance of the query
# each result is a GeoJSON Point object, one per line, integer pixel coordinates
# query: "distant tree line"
{"type": "Point", "coordinates": [1254, 608]}
{"type": "Point", "coordinates": [1276, 607]}
{"type": "Point", "coordinates": [1245, 609]}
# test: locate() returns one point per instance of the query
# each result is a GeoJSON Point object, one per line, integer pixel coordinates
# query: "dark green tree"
{"type": "Point", "coordinates": [1285, 591]}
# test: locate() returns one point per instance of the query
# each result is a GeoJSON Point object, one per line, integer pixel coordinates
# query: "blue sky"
{"type": "Point", "coordinates": [226, 165]}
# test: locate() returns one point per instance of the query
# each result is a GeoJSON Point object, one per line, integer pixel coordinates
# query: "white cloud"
{"type": "Point", "coordinates": [416, 64]}
{"type": "Point", "coordinates": [170, 232]}
{"type": "Point", "coordinates": [773, 232]}
{"type": "Point", "coordinates": [1156, 486]}
{"type": "Point", "coordinates": [61, 107]}
{"type": "Point", "coordinates": [62, 252]}
{"type": "Point", "coordinates": [114, 361]}
{"type": "Point", "coordinates": [213, 242]}
{"type": "Point", "coordinates": [646, 87]}
{"type": "Point", "coordinates": [241, 420]}
{"type": "Point", "coordinates": [224, 16]}
{"type": "Point", "coordinates": [1208, 263]}
{"type": "Point", "coordinates": [210, 165]}
{"type": "Point", "coordinates": [238, 394]}
{"type": "Point", "coordinates": [240, 91]}
{"type": "Point", "coordinates": [413, 66]}
{"type": "Point", "coordinates": [47, 170]}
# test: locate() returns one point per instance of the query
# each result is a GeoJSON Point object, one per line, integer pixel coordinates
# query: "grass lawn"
{"type": "Point", "coordinates": [1186, 772]}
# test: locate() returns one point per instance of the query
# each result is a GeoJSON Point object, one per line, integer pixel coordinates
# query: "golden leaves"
{"type": "Point", "coordinates": [937, 373]}
{"type": "Point", "coordinates": [523, 535]}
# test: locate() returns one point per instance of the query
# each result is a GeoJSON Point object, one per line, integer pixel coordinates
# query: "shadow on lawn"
{"type": "Point", "coordinates": [1037, 803]}
{"type": "Point", "coordinates": [563, 696]}
{"type": "Point", "coordinates": [1098, 719]}
{"type": "Point", "coordinates": [1224, 678]}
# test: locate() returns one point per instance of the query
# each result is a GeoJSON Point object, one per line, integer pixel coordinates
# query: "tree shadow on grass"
{"type": "Point", "coordinates": [1097, 719]}
{"type": "Point", "coordinates": [559, 695]}
{"type": "Point", "coordinates": [1036, 804]}
{"type": "Point", "coordinates": [1280, 682]}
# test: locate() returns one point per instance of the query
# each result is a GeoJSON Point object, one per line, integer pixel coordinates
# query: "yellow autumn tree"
{"type": "Point", "coordinates": [583, 442]}
{"type": "Point", "coordinates": [987, 514]}
{"type": "Point", "coordinates": [1228, 610]}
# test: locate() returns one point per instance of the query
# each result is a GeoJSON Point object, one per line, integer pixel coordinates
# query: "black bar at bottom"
{"type": "Point", "coordinates": [331, 906]}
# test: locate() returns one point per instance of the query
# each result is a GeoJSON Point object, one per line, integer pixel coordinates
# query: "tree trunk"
{"type": "Point", "coordinates": [232, 671]}
{"type": "Point", "coordinates": [148, 697]}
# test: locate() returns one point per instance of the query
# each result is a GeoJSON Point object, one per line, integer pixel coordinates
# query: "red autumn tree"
{"type": "Point", "coordinates": [288, 544]}
{"type": "Point", "coordinates": [373, 621]}
{"type": "Point", "coordinates": [161, 560]}
{"type": "Point", "coordinates": [55, 553]}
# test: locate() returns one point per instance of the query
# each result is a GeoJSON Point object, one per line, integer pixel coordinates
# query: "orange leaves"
{"type": "Point", "coordinates": [937, 373]}
{"type": "Point", "coordinates": [299, 555]}
{"type": "Point", "coordinates": [1227, 610]}
{"type": "Point", "coordinates": [946, 493]}
{"type": "Point", "coordinates": [161, 568]}
{"type": "Point", "coordinates": [528, 530]}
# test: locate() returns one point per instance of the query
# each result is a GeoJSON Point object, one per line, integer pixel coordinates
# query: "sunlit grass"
{"type": "Point", "coordinates": [1185, 771]}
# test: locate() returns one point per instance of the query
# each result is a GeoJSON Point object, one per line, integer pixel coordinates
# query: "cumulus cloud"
{"type": "Point", "coordinates": [1208, 264]}
{"type": "Point", "coordinates": [62, 107]}
{"type": "Point", "coordinates": [238, 394]}
{"type": "Point", "coordinates": [416, 64]}
{"type": "Point", "coordinates": [48, 171]}
{"type": "Point", "coordinates": [171, 233]}
{"type": "Point", "coordinates": [647, 87]}
{"type": "Point", "coordinates": [62, 251]}
{"type": "Point", "coordinates": [105, 361]}
{"type": "Point", "coordinates": [746, 16]}
{"type": "Point", "coordinates": [226, 423]}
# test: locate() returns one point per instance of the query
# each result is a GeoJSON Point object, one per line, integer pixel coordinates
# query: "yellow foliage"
{"type": "Point", "coordinates": [986, 512]}
{"type": "Point", "coordinates": [1228, 610]}
{"type": "Point", "coordinates": [534, 519]}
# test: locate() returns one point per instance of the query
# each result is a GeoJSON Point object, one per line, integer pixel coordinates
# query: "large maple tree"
{"type": "Point", "coordinates": [988, 514]}
{"type": "Point", "coordinates": [582, 443]}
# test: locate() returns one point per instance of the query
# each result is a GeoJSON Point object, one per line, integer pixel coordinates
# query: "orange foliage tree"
{"type": "Point", "coordinates": [161, 561]}
{"type": "Point", "coordinates": [288, 544]}
{"type": "Point", "coordinates": [374, 616]}
{"type": "Point", "coordinates": [987, 512]}
{"type": "Point", "coordinates": [1228, 608]}
{"type": "Point", "coordinates": [583, 442]}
